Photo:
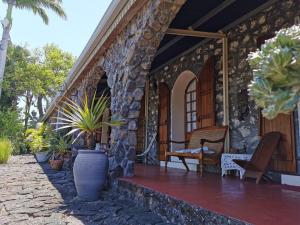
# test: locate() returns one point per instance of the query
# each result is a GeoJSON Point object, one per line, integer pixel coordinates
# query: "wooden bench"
{"type": "Point", "coordinates": [212, 138]}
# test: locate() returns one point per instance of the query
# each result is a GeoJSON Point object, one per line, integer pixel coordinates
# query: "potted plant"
{"type": "Point", "coordinates": [40, 148]}
{"type": "Point", "coordinates": [59, 150]}
{"type": "Point", "coordinates": [90, 166]}
{"type": "Point", "coordinates": [38, 142]}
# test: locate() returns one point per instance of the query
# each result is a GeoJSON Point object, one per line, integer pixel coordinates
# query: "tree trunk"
{"type": "Point", "coordinates": [27, 108]}
{"type": "Point", "coordinates": [40, 106]}
{"type": "Point", "coordinates": [90, 141]}
{"type": "Point", "coordinates": [6, 24]}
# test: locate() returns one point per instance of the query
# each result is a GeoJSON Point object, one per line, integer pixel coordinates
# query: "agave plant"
{"type": "Point", "coordinates": [85, 118]}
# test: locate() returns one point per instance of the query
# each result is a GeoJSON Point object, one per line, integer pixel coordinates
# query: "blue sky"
{"type": "Point", "coordinates": [70, 35]}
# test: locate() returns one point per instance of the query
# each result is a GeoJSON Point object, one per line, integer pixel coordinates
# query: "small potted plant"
{"type": "Point", "coordinates": [59, 150]}
{"type": "Point", "coordinates": [38, 142]}
{"type": "Point", "coordinates": [90, 166]}
{"type": "Point", "coordinates": [40, 148]}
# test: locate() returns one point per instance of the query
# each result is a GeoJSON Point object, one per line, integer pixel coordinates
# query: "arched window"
{"type": "Point", "coordinates": [190, 107]}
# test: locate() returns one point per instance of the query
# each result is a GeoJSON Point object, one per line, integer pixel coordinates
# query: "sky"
{"type": "Point", "coordinates": [70, 35]}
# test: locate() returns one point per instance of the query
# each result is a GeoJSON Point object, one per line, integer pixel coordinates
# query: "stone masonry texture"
{"type": "Point", "coordinates": [242, 39]}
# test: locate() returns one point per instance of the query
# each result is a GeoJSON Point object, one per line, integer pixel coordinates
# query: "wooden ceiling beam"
{"type": "Point", "coordinates": [198, 23]}
{"type": "Point", "coordinates": [194, 33]}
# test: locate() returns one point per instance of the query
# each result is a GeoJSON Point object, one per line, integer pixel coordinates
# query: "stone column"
{"type": "Point", "coordinates": [127, 63]}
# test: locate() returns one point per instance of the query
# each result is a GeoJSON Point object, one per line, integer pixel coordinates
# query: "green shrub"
{"type": "Point", "coordinates": [11, 127]}
{"type": "Point", "coordinates": [5, 150]}
{"type": "Point", "coordinates": [38, 139]}
{"type": "Point", "coordinates": [276, 69]}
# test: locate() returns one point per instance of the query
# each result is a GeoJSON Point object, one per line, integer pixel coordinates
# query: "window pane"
{"type": "Point", "coordinates": [194, 125]}
{"type": "Point", "coordinates": [188, 127]}
{"type": "Point", "coordinates": [188, 107]}
{"type": "Point", "coordinates": [188, 117]}
{"type": "Point", "coordinates": [187, 97]}
{"type": "Point", "coordinates": [193, 96]}
{"type": "Point", "coordinates": [192, 86]}
{"type": "Point", "coordinates": [194, 116]}
{"type": "Point", "coordinates": [193, 106]}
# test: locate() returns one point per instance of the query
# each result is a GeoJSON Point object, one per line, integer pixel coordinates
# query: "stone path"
{"type": "Point", "coordinates": [34, 194]}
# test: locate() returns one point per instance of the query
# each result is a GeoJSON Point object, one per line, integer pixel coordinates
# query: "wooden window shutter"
{"type": "Point", "coordinates": [163, 126]}
{"type": "Point", "coordinates": [206, 96]}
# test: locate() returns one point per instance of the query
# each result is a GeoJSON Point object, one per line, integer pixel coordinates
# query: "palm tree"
{"type": "Point", "coordinates": [37, 7]}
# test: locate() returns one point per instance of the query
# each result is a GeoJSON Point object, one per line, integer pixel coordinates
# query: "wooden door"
{"type": "Point", "coordinates": [163, 126]}
{"type": "Point", "coordinates": [283, 159]}
{"type": "Point", "coordinates": [206, 96]}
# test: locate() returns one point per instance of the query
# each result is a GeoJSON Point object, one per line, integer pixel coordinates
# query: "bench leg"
{"type": "Point", "coordinates": [184, 163]}
{"type": "Point", "coordinates": [201, 167]}
{"type": "Point", "coordinates": [166, 164]}
{"type": "Point", "coordinates": [259, 176]}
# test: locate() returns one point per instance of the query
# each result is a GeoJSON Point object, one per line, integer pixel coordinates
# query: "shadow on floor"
{"type": "Point", "coordinates": [112, 208]}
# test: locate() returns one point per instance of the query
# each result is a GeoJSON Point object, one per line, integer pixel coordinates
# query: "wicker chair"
{"type": "Point", "coordinates": [211, 138]}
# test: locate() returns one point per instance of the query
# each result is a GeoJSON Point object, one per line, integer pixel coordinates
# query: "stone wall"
{"type": "Point", "coordinates": [127, 63]}
{"type": "Point", "coordinates": [242, 39]}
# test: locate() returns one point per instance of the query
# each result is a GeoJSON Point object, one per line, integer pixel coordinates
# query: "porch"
{"type": "Point", "coordinates": [228, 196]}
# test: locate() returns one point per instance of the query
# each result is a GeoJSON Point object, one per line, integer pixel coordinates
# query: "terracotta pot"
{"type": "Point", "coordinates": [90, 172]}
{"type": "Point", "coordinates": [56, 164]}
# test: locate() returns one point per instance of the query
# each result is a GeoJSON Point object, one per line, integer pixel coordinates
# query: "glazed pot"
{"type": "Point", "coordinates": [56, 164]}
{"type": "Point", "coordinates": [90, 173]}
{"type": "Point", "coordinates": [42, 156]}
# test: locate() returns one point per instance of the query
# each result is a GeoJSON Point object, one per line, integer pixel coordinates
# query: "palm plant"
{"type": "Point", "coordinates": [85, 118]}
{"type": "Point", "coordinates": [37, 7]}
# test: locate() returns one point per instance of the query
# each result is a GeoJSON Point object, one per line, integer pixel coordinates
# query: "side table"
{"type": "Point", "coordinates": [228, 164]}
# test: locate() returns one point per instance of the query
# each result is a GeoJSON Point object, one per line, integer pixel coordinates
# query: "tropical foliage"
{"type": "Point", "coordinates": [38, 140]}
{"type": "Point", "coordinates": [11, 127]}
{"type": "Point", "coordinates": [47, 68]}
{"type": "Point", "coordinates": [276, 69]}
{"type": "Point", "coordinates": [5, 150]}
{"type": "Point", "coordinates": [85, 118]}
{"type": "Point", "coordinates": [59, 145]}
{"type": "Point", "coordinates": [38, 7]}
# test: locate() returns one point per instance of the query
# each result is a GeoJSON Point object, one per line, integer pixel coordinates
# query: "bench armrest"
{"type": "Point", "coordinates": [202, 141]}
{"type": "Point", "coordinates": [179, 142]}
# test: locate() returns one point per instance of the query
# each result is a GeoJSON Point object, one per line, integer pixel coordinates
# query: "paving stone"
{"type": "Point", "coordinates": [33, 194]}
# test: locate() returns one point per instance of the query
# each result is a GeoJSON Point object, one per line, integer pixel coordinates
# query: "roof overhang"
{"type": "Point", "coordinates": [116, 17]}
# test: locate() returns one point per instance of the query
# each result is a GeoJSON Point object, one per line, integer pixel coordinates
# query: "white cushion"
{"type": "Point", "coordinates": [196, 150]}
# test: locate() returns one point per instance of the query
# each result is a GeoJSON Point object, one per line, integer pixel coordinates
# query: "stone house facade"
{"type": "Point", "coordinates": [127, 49]}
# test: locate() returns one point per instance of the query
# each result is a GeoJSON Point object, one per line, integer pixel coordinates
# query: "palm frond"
{"type": "Point", "coordinates": [86, 116]}
{"type": "Point", "coordinates": [39, 7]}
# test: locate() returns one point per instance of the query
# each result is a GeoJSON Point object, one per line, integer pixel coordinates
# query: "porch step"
{"type": "Point", "coordinates": [170, 208]}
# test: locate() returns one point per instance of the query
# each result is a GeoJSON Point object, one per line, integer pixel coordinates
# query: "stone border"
{"type": "Point", "coordinates": [170, 208]}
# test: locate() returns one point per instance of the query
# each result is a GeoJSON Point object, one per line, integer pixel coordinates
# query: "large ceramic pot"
{"type": "Point", "coordinates": [90, 172]}
{"type": "Point", "coordinates": [42, 156]}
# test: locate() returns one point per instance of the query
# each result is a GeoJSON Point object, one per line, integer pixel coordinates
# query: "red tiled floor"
{"type": "Point", "coordinates": [262, 204]}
